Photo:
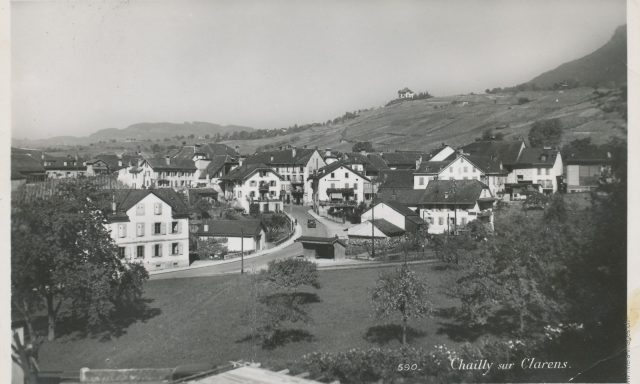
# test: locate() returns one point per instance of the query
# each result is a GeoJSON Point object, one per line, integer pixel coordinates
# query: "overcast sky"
{"type": "Point", "coordinates": [78, 67]}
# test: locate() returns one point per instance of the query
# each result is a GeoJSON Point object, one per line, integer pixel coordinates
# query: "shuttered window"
{"type": "Point", "coordinates": [140, 229]}
{"type": "Point", "coordinates": [140, 209]}
{"type": "Point", "coordinates": [157, 208]}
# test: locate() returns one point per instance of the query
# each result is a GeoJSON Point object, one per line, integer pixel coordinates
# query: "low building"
{"type": "Point", "coordinates": [377, 228]}
{"type": "Point", "coordinates": [585, 171]}
{"type": "Point", "coordinates": [406, 93]}
{"type": "Point", "coordinates": [237, 235]}
{"type": "Point", "coordinates": [254, 185]}
{"type": "Point", "coordinates": [395, 213]}
{"type": "Point", "coordinates": [68, 167]}
{"type": "Point", "coordinates": [322, 247]}
{"type": "Point", "coordinates": [25, 169]}
{"type": "Point", "coordinates": [539, 166]}
{"type": "Point", "coordinates": [150, 227]}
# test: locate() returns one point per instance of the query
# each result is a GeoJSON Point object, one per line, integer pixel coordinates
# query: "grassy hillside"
{"type": "Point", "coordinates": [606, 66]}
{"type": "Point", "coordinates": [424, 124]}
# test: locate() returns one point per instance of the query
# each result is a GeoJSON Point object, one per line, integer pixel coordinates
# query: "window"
{"type": "Point", "coordinates": [430, 220]}
{"type": "Point", "coordinates": [546, 171]}
{"type": "Point", "coordinates": [451, 170]}
{"type": "Point", "coordinates": [252, 194]}
{"type": "Point", "coordinates": [440, 221]}
{"type": "Point", "coordinates": [333, 185]}
{"type": "Point", "coordinates": [157, 228]}
{"type": "Point", "coordinates": [121, 252]}
{"type": "Point", "coordinates": [175, 227]}
{"type": "Point", "coordinates": [140, 229]}
{"type": "Point", "coordinates": [333, 175]}
{"type": "Point", "coordinates": [421, 180]}
{"type": "Point", "coordinates": [239, 193]}
{"type": "Point", "coordinates": [122, 230]}
{"type": "Point", "coordinates": [346, 175]}
{"type": "Point", "coordinates": [252, 183]}
{"type": "Point", "coordinates": [474, 170]}
{"type": "Point", "coordinates": [272, 183]}
{"type": "Point", "coordinates": [539, 171]}
{"type": "Point", "coordinates": [346, 185]}
{"type": "Point", "coordinates": [466, 170]}
{"type": "Point", "coordinates": [355, 186]}
{"type": "Point", "coordinates": [157, 250]}
{"type": "Point", "coordinates": [140, 209]}
{"type": "Point", "coordinates": [302, 169]}
{"type": "Point", "coordinates": [175, 248]}
{"type": "Point", "coordinates": [463, 221]}
{"type": "Point", "coordinates": [157, 208]}
{"type": "Point", "coordinates": [272, 193]}
{"type": "Point", "coordinates": [140, 251]}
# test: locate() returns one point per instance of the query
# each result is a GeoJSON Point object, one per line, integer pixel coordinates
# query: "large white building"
{"type": "Point", "coordinates": [254, 184]}
{"type": "Point", "coordinates": [235, 235]}
{"type": "Point", "coordinates": [160, 173]}
{"type": "Point", "coordinates": [150, 227]}
{"type": "Point", "coordinates": [339, 183]}
{"type": "Point", "coordinates": [295, 165]}
{"type": "Point", "coordinates": [541, 167]}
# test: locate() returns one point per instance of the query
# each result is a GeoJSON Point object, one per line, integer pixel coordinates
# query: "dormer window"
{"type": "Point", "coordinates": [543, 158]}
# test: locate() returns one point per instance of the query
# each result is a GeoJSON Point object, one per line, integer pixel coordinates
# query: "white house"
{"type": "Point", "coordinates": [540, 167]}
{"type": "Point", "coordinates": [150, 227]}
{"type": "Point", "coordinates": [406, 93]}
{"type": "Point", "coordinates": [395, 213]}
{"type": "Point", "coordinates": [237, 235]}
{"type": "Point", "coordinates": [295, 165]}
{"type": "Point", "coordinates": [339, 183]}
{"type": "Point", "coordinates": [254, 184]}
{"type": "Point", "coordinates": [160, 173]}
{"type": "Point", "coordinates": [64, 167]}
{"type": "Point", "coordinates": [378, 228]}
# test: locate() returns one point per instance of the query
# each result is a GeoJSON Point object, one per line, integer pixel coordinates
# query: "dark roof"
{"type": "Point", "coordinates": [209, 150]}
{"type": "Point", "coordinates": [59, 163]}
{"type": "Point", "coordinates": [396, 178]}
{"type": "Point", "coordinates": [387, 228]}
{"type": "Point", "coordinates": [377, 161]}
{"type": "Point", "coordinates": [404, 90]}
{"type": "Point", "coordinates": [592, 157]}
{"type": "Point", "coordinates": [407, 196]}
{"type": "Point", "coordinates": [429, 167]}
{"type": "Point", "coordinates": [320, 240]}
{"type": "Point", "coordinates": [160, 163]}
{"type": "Point", "coordinates": [335, 165]}
{"type": "Point", "coordinates": [230, 228]}
{"type": "Point", "coordinates": [443, 192]}
{"type": "Point", "coordinates": [486, 164]}
{"type": "Point", "coordinates": [218, 162]}
{"type": "Point", "coordinates": [505, 151]}
{"type": "Point", "coordinates": [246, 170]}
{"type": "Point", "coordinates": [403, 159]}
{"type": "Point", "coordinates": [536, 157]}
{"type": "Point", "coordinates": [195, 193]}
{"type": "Point", "coordinates": [22, 164]}
{"type": "Point", "coordinates": [282, 157]}
{"type": "Point", "coordinates": [127, 198]}
{"type": "Point", "coordinates": [400, 208]}
{"type": "Point", "coordinates": [372, 162]}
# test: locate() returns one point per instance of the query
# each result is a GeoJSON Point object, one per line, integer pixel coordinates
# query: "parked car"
{"type": "Point", "coordinates": [311, 223]}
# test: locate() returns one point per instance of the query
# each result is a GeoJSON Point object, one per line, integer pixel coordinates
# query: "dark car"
{"type": "Point", "coordinates": [311, 223]}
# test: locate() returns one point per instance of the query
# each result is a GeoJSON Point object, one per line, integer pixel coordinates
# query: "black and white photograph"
{"type": "Point", "coordinates": [344, 192]}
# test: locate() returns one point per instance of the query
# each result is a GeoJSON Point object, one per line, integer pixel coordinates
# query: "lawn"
{"type": "Point", "coordinates": [199, 321]}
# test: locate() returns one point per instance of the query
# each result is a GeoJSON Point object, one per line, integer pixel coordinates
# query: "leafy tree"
{"type": "Point", "coordinates": [63, 253]}
{"type": "Point", "coordinates": [201, 207]}
{"type": "Point", "coordinates": [401, 292]}
{"type": "Point", "coordinates": [362, 146]}
{"type": "Point", "coordinates": [292, 273]}
{"type": "Point", "coordinates": [210, 247]}
{"type": "Point", "coordinates": [545, 133]}
{"type": "Point", "coordinates": [452, 249]}
{"type": "Point", "coordinates": [535, 200]}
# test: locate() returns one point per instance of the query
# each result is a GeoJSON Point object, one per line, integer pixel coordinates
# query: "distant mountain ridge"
{"type": "Point", "coordinates": [143, 131]}
{"type": "Point", "coordinates": [605, 67]}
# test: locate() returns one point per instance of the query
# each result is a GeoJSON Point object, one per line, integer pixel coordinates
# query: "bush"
{"type": "Point", "coordinates": [523, 100]}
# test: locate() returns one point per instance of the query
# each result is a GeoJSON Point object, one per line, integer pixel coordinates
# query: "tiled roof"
{"type": "Point", "coordinates": [407, 196]}
{"type": "Point", "coordinates": [486, 164]}
{"type": "Point", "coordinates": [127, 198]}
{"type": "Point", "coordinates": [174, 164]}
{"type": "Point", "coordinates": [246, 170]}
{"type": "Point", "coordinates": [209, 150]}
{"type": "Point", "coordinates": [505, 151]}
{"type": "Point", "coordinates": [377, 161]}
{"type": "Point", "coordinates": [230, 228]}
{"type": "Point", "coordinates": [282, 157]}
{"type": "Point", "coordinates": [403, 159]}
{"type": "Point", "coordinates": [372, 162]}
{"type": "Point", "coordinates": [591, 157]}
{"type": "Point", "coordinates": [431, 167]}
{"type": "Point", "coordinates": [217, 162]}
{"type": "Point", "coordinates": [536, 157]}
{"type": "Point", "coordinates": [400, 208]}
{"type": "Point", "coordinates": [59, 163]}
{"type": "Point", "coordinates": [335, 165]}
{"type": "Point", "coordinates": [387, 228]}
{"type": "Point", "coordinates": [396, 178]}
{"type": "Point", "coordinates": [452, 192]}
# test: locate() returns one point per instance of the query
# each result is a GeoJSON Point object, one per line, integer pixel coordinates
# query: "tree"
{"type": "Point", "coordinates": [292, 273]}
{"type": "Point", "coordinates": [63, 253]}
{"type": "Point", "coordinates": [545, 133]}
{"type": "Point", "coordinates": [210, 247]}
{"type": "Point", "coordinates": [401, 292]}
{"type": "Point", "coordinates": [362, 146]}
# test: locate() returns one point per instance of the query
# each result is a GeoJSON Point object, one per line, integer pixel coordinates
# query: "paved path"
{"type": "Point", "coordinates": [253, 262]}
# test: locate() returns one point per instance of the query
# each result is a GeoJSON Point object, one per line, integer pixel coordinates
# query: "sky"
{"type": "Point", "coordinates": [81, 66]}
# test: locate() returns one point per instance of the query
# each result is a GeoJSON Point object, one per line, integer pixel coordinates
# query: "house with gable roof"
{"type": "Point", "coordinates": [237, 235]}
{"type": "Point", "coordinates": [339, 185]}
{"type": "Point", "coordinates": [406, 93]}
{"type": "Point", "coordinates": [150, 227]}
{"type": "Point", "coordinates": [255, 185]}
{"type": "Point", "coordinates": [295, 165]}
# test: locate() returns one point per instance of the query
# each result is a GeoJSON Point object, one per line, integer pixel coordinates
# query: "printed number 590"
{"type": "Point", "coordinates": [407, 367]}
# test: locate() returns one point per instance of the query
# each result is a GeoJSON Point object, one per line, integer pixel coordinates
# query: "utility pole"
{"type": "Point", "coordinates": [241, 250]}
{"type": "Point", "coordinates": [455, 209]}
{"type": "Point", "coordinates": [373, 241]}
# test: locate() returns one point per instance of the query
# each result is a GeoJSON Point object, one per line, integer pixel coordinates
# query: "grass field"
{"type": "Point", "coordinates": [199, 321]}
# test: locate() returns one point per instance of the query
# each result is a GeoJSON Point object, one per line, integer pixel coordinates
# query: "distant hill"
{"type": "Point", "coordinates": [140, 132]}
{"type": "Point", "coordinates": [606, 67]}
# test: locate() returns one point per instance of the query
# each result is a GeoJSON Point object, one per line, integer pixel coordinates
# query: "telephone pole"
{"type": "Point", "coordinates": [373, 241]}
{"type": "Point", "coordinates": [241, 250]}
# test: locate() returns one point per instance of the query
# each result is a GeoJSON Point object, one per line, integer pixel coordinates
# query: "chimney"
{"type": "Point", "coordinates": [167, 159]}
{"type": "Point", "coordinates": [418, 162]}
{"type": "Point", "coordinates": [293, 152]}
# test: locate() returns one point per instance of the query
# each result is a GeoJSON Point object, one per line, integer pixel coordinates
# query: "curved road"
{"type": "Point", "coordinates": [297, 211]}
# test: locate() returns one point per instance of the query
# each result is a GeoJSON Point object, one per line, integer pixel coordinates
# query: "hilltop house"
{"type": "Point", "coordinates": [406, 93]}
{"type": "Point", "coordinates": [338, 185]}
{"type": "Point", "coordinates": [295, 165]}
{"type": "Point", "coordinates": [254, 185]}
{"type": "Point", "coordinates": [150, 227]}
{"type": "Point", "coordinates": [237, 235]}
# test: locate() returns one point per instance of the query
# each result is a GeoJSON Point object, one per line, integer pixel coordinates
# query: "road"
{"type": "Point", "coordinates": [297, 211]}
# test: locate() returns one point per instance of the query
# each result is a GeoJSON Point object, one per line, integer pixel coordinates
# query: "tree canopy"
{"type": "Point", "coordinates": [545, 133]}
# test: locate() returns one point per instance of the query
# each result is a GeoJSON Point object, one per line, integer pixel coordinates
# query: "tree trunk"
{"type": "Point", "coordinates": [404, 331]}
{"type": "Point", "coordinates": [51, 318]}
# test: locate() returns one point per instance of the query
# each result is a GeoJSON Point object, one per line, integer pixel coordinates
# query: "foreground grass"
{"type": "Point", "coordinates": [199, 321]}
